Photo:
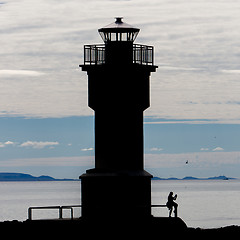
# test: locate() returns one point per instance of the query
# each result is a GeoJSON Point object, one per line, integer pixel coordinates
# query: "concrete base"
{"type": "Point", "coordinates": [125, 193]}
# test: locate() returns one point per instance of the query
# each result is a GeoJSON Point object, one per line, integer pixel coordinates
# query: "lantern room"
{"type": "Point", "coordinates": [118, 31]}
{"type": "Point", "coordinates": [118, 47]}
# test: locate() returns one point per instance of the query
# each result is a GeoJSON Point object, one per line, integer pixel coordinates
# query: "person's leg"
{"type": "Point", "coordinates": [170, 211]}
{"type": "Point", "coordinates": [175, 208]}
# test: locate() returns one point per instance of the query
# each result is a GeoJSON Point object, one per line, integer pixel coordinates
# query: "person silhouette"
{"type": "Point", "coordinates": [170, 204]}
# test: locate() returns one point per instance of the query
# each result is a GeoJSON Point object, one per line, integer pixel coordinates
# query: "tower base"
{"type": "Point", "coordinates": [117, 193]}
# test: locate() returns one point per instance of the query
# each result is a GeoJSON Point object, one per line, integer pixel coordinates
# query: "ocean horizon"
{"type": "Point", "coordinates": [204, 204]}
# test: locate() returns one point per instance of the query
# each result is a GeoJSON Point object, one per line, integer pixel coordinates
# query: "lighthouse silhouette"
{"type": "Point", "coordinates": [119, 92]}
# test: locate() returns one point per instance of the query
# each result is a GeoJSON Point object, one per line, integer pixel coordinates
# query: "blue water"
{"type": "Point", "coordinates": [205, 204]}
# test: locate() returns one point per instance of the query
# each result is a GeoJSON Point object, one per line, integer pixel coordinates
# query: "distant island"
{"type": "Point", "coordinates": [194, 178]}
{"type": "Point", "coordinates": [20, 177]}
{"type": "Point", "coordinates": [10, 177]}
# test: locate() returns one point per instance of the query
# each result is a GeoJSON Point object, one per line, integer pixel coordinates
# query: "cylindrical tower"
{"type": "Point", "coordinates": [118, 91]}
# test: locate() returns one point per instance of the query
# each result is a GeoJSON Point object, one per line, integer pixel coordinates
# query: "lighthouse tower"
{"type": "Point", "coordinates": [118, 91]}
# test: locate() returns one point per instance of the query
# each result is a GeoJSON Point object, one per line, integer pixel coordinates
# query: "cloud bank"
{"type": "Point", "coordinates": [197, 160]}
{"type": "Point", "coordinates": [196, 48]}
{"type": "Point", "coordinates": [81, 161]}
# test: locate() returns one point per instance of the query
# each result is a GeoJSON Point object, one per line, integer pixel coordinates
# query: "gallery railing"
{"type": "Point", "coordinates": [95, 54]}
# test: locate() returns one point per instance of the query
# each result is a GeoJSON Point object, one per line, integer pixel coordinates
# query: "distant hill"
{"type": "Point", "coordinates": [194, 178]}
{"type": "Point", "coordinates": [10, 177]}
{"type": "Point", "coordinates": [27, 177]}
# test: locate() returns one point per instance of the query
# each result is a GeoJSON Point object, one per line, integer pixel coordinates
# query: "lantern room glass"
{"type": "Point", "coordinates": [118, 31]}
{"type": "Point", "coordinates": [118, 36]}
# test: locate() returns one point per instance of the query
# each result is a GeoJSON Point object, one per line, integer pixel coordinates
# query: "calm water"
{"type": "Point", "coordinates": [201, 203]}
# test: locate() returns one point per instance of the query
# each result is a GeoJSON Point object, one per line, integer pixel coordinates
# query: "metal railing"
{"type": "Point", "coordinates": [71, 207]}
{"type": "Point", "coordinates": [143, 54]}
{"type": "Point", "coordinates": [60, 210]}
{"type": "Point", "coordinates": [95, 54]}
{"type": "Point", "coordinates": [156, 206]}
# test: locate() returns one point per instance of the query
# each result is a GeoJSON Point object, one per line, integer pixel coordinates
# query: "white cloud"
{"type": "Point", "coordinates": [204, 149]}
{"type": "Point", "coordinates": [80, 161]}
{"type": "Point", "coordinates": [7, 143]}
{"type": "Point", "coordinates": [178, 68]}
{"type": "Point", "coordinates": [218, 149]}
{"type": "Point", "coordinates": [30, 144]}
{"type": "Point", "coordinates": [2, 145]}
{"type": "Point", "coordinates": [233, 71]}
{"type": "Point", "coordinates": [20, 73]}
{"type": "Point", "coordinates": [87, 149]}
{"type": "Point", "coordinates": [38, 145]}
{"type": "Point", "coordinates": [156, 149]}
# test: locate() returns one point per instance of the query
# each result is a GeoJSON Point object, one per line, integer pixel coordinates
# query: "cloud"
{"type": "Point", "coordinates": [204, 149]}
{"type": "Point", "coordinates": [198, 159]}
{"type": "Point", "coordinates": [7, 143]}
{"type": "Point", "coordinates": [194, 49]}
{"type": "Point", "coordinates": [236, 71]}
{"type": "Point", "coordinates": [20, 73]}
{"type": "Point", "coordinates": [30, 144]}
{"type": "Point", "coordinates": [2, 145]}
{"type": "Point", "coordinates": [38, 145]}
{"type": "Point", "coordinates": [175, 68]}
{"type": "Point", "coordinates": [217, 149]}
{"type": "Point", "coordinates": [87, 149]}
{"type": "Point", "coordinates": [81, 161]}
{"type": "Point", "coordinates": [156, 149]}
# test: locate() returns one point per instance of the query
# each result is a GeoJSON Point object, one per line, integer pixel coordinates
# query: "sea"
{"type": "Point", "coordinates": [202, 203]}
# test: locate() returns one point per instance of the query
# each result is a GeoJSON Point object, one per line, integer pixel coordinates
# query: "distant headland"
{"type": "Point", "coordinates": [11, 177]}
{"type": "Point", "coordinates": [194, 178]}
{"type": "Point", "coordinates": [20, 177]}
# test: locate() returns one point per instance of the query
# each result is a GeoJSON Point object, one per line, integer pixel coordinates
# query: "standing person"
{"type": "Point", "coordinates": [170, 204]}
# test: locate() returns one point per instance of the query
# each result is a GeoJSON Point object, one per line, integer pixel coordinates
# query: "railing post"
{"type": "Point", "coordinates": [84, 55]}
{"type": "Point", "coordinates": [134, 53]}
{"type": "Point", "coordinates": [30, 213]}
{"type": "Point", "coordinates": [60, 212]}
{"type": "Point", "coordinates": [96, 55]}
{"type": "Point", "coordinates": [90, 55]}
{"type": "Point", "coordinates": [152, 56]}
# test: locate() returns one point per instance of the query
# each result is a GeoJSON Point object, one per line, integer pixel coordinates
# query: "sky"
{"type": "Point", "coordinates": [46, 127]}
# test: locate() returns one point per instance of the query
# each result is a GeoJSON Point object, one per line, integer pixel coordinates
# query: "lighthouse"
{"type": "Point", "coordinates": [118, 91]}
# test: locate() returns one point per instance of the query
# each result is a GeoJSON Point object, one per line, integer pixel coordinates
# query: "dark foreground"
{"type": "Point", "coordinates": [157, 228]}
